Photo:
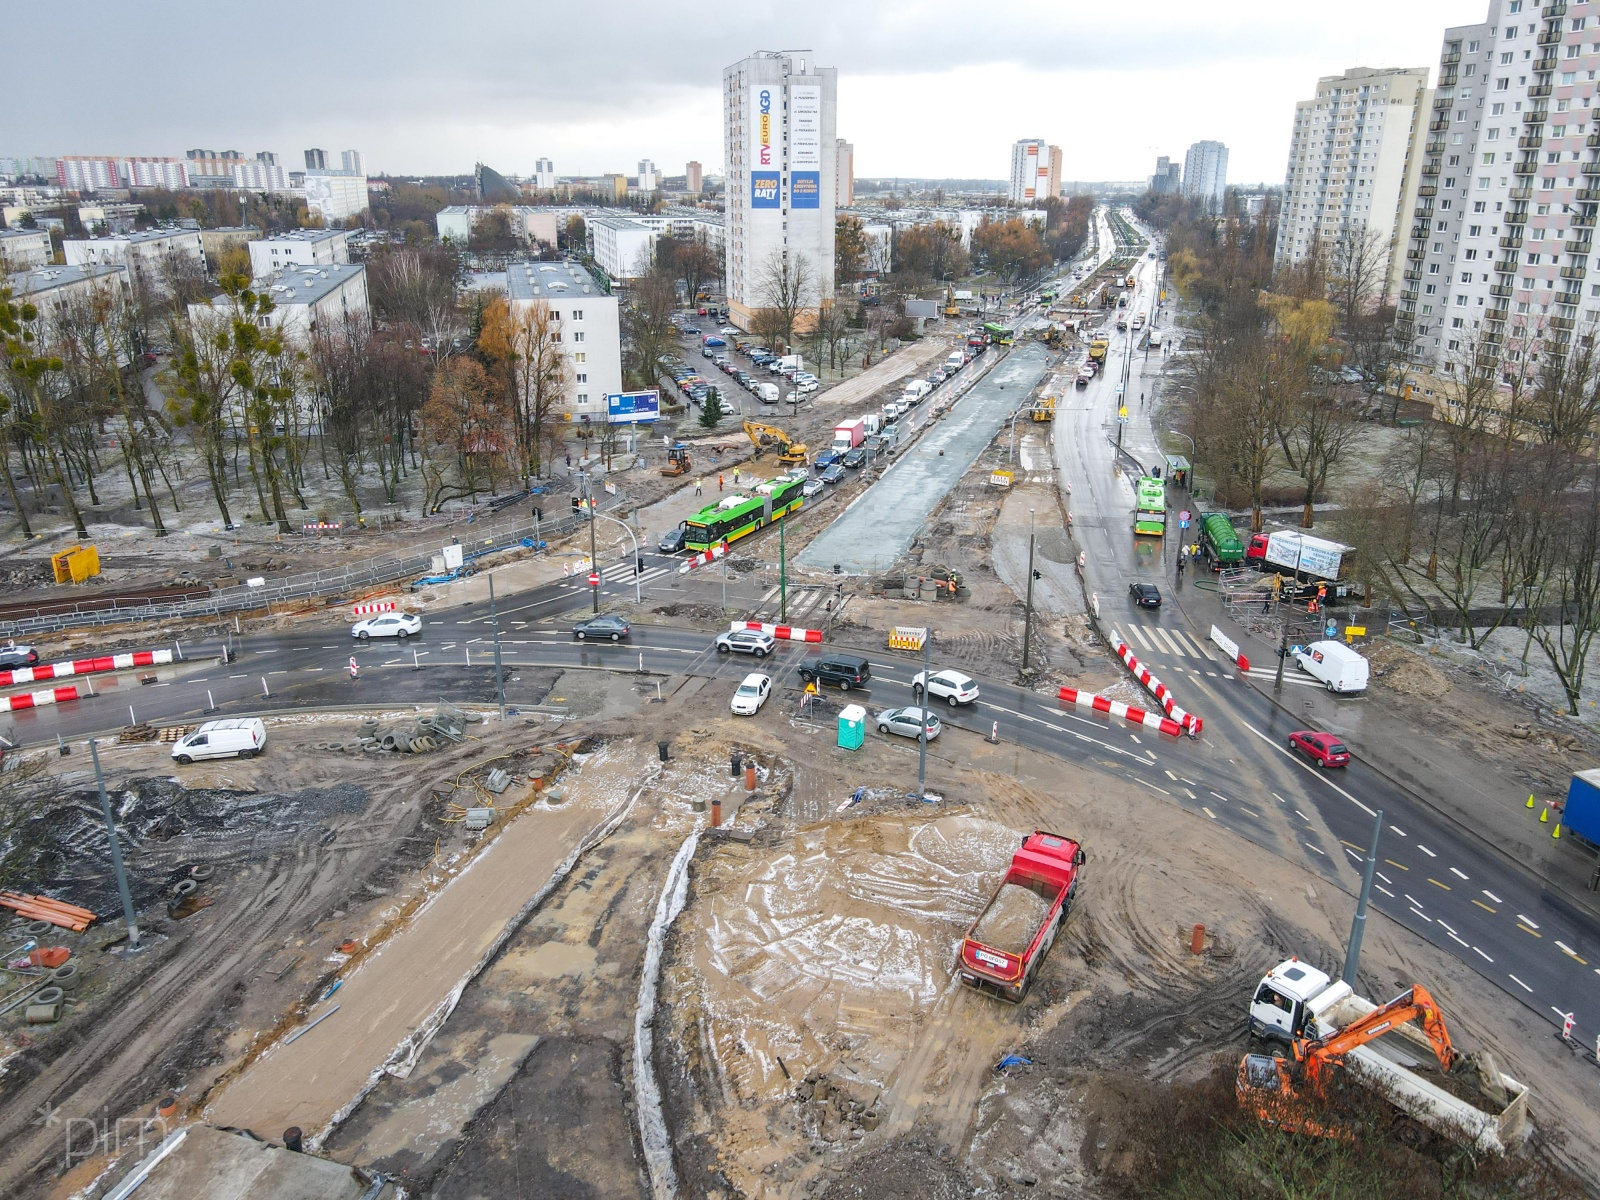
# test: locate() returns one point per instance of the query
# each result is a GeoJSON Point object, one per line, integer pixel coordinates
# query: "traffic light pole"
{"type": "Point", "coordinates": [783, 576]}
{"type": "Point", "coordinates": [594, 561]}
{"type": "Point", "coordinates": [1027, 605]}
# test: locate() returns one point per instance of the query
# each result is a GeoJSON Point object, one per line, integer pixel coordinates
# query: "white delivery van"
{"type": "Point", "coordinates": [953, 363]}
{"type": "Point", "coordinates": [768, 393]}
{"type": "Point", "coordinates": [241, 737]}
{"type": "Point", "coordinates": [1340, 668]}
{"type": "Point", "coordinates": [918, 388]}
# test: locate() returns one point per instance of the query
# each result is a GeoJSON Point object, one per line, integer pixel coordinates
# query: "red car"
{"type": "Point", "coordinates": [1321, 748]}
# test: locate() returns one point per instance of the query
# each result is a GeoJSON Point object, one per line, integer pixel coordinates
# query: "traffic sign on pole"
{"type": "Point", "coordinates": [1184, 516]}
{"type": "Point", "coordinates": [594, 579]}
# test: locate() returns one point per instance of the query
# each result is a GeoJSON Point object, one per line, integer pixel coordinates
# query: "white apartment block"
{"type": "Point", "coordinates": [304, 300]}
{"type": "Point", "coordinates": [649, 177]}
{"type": "Point", "coordinates": [528, 223]}
{"type": "Point", "coordinates": [587, 323]}
{"type": "Point", "coordinates": [51, 289]}
{"type": "Point", "coordinates": [1355, 146]}
{"type": "Point", "coordinates": [1205, 173]}
{"type": "Point", "coordinates": [544, 175]}
{"type": "Point", "coordinates": [334, 195]}
{"type": "Point", "coordinates": [146, 254]}
{"type": "Point", "coordinates": [780, 145]}
{"type": "Point", "coordinates": [24, 249]}
{"type": "Point", "coordinates": [623, 248]}
{"type": "Point", "coordinates": [1499, 243]}
{"type": "Point", "coordinates": [1030, 171]}
{"type": "Point", "coordinates": [301, 248]}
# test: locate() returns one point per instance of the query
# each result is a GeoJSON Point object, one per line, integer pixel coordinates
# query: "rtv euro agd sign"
{"type": "Point", "coordinates": [764, 183]}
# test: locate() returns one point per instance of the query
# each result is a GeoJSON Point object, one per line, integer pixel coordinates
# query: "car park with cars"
{"type": "Point", "coordinates": [606, 626]}
{"type": "Point", "coordinates": [399, 625]}
{"type": "Point", "coordinates": [752, 694]}
{"type": "Point", "coordinates": [746, 641]}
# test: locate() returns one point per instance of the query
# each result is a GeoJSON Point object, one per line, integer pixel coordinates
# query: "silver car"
{"type": "Point", "coordinates": [909, 722]}
{"type": "Point", "coordinates": [746, 641]}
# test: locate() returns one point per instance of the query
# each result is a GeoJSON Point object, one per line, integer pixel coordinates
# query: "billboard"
{"type": "Point", "coordinates": [763, 189]}
{"type": "Point", "coordinates": [624, 408]}
{"type": "Point", "coordinates": [805, 127]}
{"type": "Point", "coordinates": [805, 189]}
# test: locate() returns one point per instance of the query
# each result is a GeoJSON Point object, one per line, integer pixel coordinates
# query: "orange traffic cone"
{"type": "Point", "coordinates": [1544, 817]}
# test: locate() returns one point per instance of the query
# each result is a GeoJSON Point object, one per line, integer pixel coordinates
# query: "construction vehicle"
{"type": "Point", "coordinates": [1098, 348]}
{"type": "Point", "coordinates": [951, 308]}
{"type": "Point", "coordinates": [1003, 949]}
{"type": "Point", "coordinates": [1386, 1047]}
{"type": "Point", "coordinates": [678, 462]}
{"type": "Point", "coordinates": [1044, 409]}
{"type": "Point", "coordinates": [790, 452]}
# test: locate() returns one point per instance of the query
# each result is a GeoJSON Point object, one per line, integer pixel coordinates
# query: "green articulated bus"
{"type": "Point", "coordinates": [1150, 517]}
{"type": "Point", "coordinates": [731, 517]}
{"type": "Point", "coordinates": [1000, 335]}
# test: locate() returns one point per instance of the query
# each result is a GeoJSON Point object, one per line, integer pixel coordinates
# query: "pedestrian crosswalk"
{"type": "Point", "coordinates": [805, 607]}
{"type": "Point", "coordinates": [1153, 639]}
{"type": "Point", "coordinates": [620, 574]}
{"type": "Point", "coordinates": [1291, 674]}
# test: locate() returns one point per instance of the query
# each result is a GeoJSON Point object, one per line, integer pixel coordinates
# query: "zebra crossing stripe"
{"type": "Point", "coordinates": [1139, 637]}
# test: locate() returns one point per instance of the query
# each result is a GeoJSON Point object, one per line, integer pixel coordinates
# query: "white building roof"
{"type": "Point", "coordinates": [43, 279]}
{"type": "Point", "coordinates": [300, 284]}
{"type": "Point", "coordinates": [550, 281]}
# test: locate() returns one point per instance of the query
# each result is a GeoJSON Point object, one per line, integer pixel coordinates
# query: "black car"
{"type": "Point", "coordinates": [14, 656]}
{"type": "Point", "coordinates": [1145, 595]}
{"type": "Point", "coordinates": [603, 626]}
{"type": "Point", "coordinates": [845, 671]}
{"type": "Point", "coordinates": [855, 458]}
{"type": "Point", "coordinates": [672, 541]}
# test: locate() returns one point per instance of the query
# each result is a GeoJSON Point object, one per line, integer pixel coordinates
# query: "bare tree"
{"type": "Point", "coordinates": [787, 285]}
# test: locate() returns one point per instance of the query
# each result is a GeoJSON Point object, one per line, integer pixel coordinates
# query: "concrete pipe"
{"type": "Point", "coordinates": [67, 977]}
{"type": "Point", "coordinates": [42, 1014]}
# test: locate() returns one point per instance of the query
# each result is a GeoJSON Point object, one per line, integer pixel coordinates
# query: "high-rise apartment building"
{"type": "Point", "coordinates": [1030, 171]}
{"type": "Point", "coordinates": [316, 160]}
{"type": "Point", "coordinates": [844, 170]}
{"type": "Point", "coordinates": [351, 162]}
{"type": "Point", "coordinates": [693, 177]}
{"type": "Point", "coordinates": [1205, 173]}
{"type": "Point", "coordinates": [1053, 176]}
{"type": "Point", "coordinates": [779, 112]}
{"type": "Point", "coordinates": [544, 175]}
{"type": "Point", "coordinates": [1168, 179]}
{"type": "Point", "coordinates": [649, 177]}
{"type": "Point", "coordinates": [1499, 243]}
{"type": "Point", "coordinates": [1354, 159]}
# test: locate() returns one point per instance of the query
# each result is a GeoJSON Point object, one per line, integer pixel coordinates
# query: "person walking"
{"type": "Point", "coordinates": [697, 482]}
{"type": "Point", "coordinates": [719, 485]}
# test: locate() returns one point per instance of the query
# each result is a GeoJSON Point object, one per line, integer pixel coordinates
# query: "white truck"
{"type": "Point", "coordinates": [1340, 668]}
{"type": "Point", "coordinates": [1301, 554]}
{"type": "Point", "coordinates": [916, 389]}
{"type": "Point", "coordinates": [847, 435]}
{"type": "Point", "coordinates": [1295, 999]}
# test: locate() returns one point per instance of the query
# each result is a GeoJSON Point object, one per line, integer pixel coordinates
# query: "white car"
{"type": "Point", "coordinates": [752, 694]}
{"type": "Point", "coordinates": [803, 386]}
{"type": "Point", "coordinates": [946, 685]}
{"type": "Point", "coordinates": [746, 641]}
{"type": "Point", "coordinates": [393, 624]}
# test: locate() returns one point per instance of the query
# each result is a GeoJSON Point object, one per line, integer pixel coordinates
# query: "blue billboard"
{"type": "Point", "coordinates": [625, 408]}
{"type": "Point", "coordinates": [805, 189]}
{"type": "Point", "coordinates": [763, 189]}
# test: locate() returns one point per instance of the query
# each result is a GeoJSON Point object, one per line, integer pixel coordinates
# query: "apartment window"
{"type": "Point", "coordinates": [1563, 105]}
{"type": "Point", "coordinates": [582, 378]}
{"type": "Point", "coordinates": [1541, 210]}
{"type": "Point", "coordinates": [1472, 254]}
{"type": "Point", "coordinates": [1567, 77]}
{"type": "Point", "coordinates": [577, 314]}
{"type": "Point", "coordinates": [578, 336]}
{"type": "Point", "coordinates": [580, 357]}
{"type": "Point", "coordinates": [1505, 59]}
{"type": "Point", "coordinates": [1578, 23]}
{"type": "Point", "coordinates": [1461, 301]}
{"type": "Point", "coordinates": [1477, 206]}
{"type": "Point", "coordinates": [1516, 7]}
{"type": "Point", "coordinates": [555, 314]}
{"type": "Point", "coordinates": [1441, 226]}
{"type": "Point", "coordinates": [1497, 110]}
{"type": "Point", "coordinates": [1456, 323]}
{"type": "Point", "coordinates": [1430, 289]}
{"type": "Point", "coordinates": [583, 397]}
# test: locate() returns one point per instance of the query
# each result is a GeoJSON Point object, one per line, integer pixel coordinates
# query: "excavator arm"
{"type": "Point", "coordinates": [1318, 1055]}
{"type": "Point", "coordinates": [789, 451]}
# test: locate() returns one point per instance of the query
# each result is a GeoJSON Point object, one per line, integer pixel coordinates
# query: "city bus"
{"type": "Point", "coordinates": [999, 335]}
{"type": "Point", "coordinates": [730, 518]}
{"type": "Point", "coordinates": [1150, 515]}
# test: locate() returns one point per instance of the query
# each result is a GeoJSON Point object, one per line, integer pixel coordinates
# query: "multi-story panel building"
{"type": "Point", "coordinates": [335, 196]}
{"type": "Point", "coordinates": [844, 171]}
{"type": "Point", "coordinates": [693, 178]}
{"type": "Point", "coordinates": [587, 325]}
{"type": "Point", "coordinates": [1053, 176]}
{"type": "Point", "coordinates": [649, 178]}
{"type": "Point", "coordinates": [1030, 170]}
{"type": "Point", "coordinates": [622, 248]}
{"type": "Point", "coordinates": [544, 175]}
{"type": "Point", "coordinates": [1205, 173]}
{"type": "Point", "coordinates": [24, 249]}
{"type": "Point", "coordinates": [52, 289]}
{"type": "Point", "coordinates": [1168, 179]}
{"type": "Point", "coordinates": [301, 248]}
{"type": "Point", "coordinates": [1355, 147]}
{"type": "Point", "coordinates": [150, 255]}
{"type": "Point", "coordinates": [779, 111]}
{"type": "Point", "coordinates": [88, 173]}
{"type": "Point", "coordinates": [1502, 232]}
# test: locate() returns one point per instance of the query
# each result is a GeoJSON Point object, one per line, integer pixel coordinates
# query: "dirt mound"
{"type": "Point", "coordinates": [1404, 671]}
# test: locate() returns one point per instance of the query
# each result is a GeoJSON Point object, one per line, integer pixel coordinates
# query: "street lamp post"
{"type": "Point", "coordinates": [1027, 608]}
{"type": "Point", "coordinates": [594, 562]}
{"type": "Point", "coordinates": [638, 597]}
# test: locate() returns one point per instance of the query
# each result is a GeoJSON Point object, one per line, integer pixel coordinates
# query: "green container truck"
{"type": "Point", "coordinates": [1220, 542]}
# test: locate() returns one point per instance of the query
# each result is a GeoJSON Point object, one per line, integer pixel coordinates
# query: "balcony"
{"type": "Point", "coordinates": [1555, 10]}
{"type": "Point", "coordinates": [1574, 272]}
{"type": "Point", "coordinates": [1584, 220]}
{"type": "Point", "coordinates": [1450, 59]}
{"type": "Point", "coordinates": [1532, 142]}
{"type": "Point", "coordinates": [1564, 324]}
{"type": "Point", "coordinates": [1431, 167]}
{"type": "Point", "coordinates": [1581, 245]}
{"type": "Point", "coordinates": [1517, 214]}
{"type": "Point", "coordinates": [1435, 147]}
{"type": "Point", "coordinates": [1497, 314]}
{"type": "Point", "coordinates": [1538, 91]}
{"type": "Point", "coordinates": [1591, 169]}
{"type": "Point", "coordinates": [1592, 141]}
{"type": "Point", "coordinates": [1427, 191]}
{"type": "Point", "coordinates": [1526, 166]}
{"type": "Point", "coordinates": [1438, 126]}
{"type": "Point", "coordinates": [1419, 233]}
{"type": "Point", "coordinates": [1416, 254]}
{"type": "Point", "coordinates": [1586, 195]}
{"type": "Point", "coordinates": [1544, 64]}
{"type": "Point", "coordinates": [1550, 35]}
{"type": "Point", "coordinates": [1511, 243]}
{"type": "Point", "coordinates": [1520, 193]}
{"type": "Point", "coordinates": [1501, 290]}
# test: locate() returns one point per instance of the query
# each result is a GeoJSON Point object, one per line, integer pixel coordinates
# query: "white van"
{"type": "Point", "coordinates": [1340, 668]}
{"type": "Point", "coordinates": [953, 363]}
{"type": "Point", "coordinates": [918, 388]}
{"type": "Point", "coordinates": [241, 737]}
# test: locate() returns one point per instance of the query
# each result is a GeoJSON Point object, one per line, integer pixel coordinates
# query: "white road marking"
{"type": "Point", "coordinates": [1426, 851]}
{"type": "Point", "coordinates": [1151, 786]}
{"type": "Point", "coordinates": [1457, 940]}
{"type": "Point", "coordinates": [1318, 850]}
{"type": "Point", "coordinates": [1460, 874]}
{"type": "Point", "coordinates": [1519, 983]}
{"type": "Point", "coordinates": [1567, 950]}
{"type": "Point", "coordinates": [1492, 896]}
{"type": "Point", "coordinates": [1482, 955]}
{"type": "Point", "coordinates": [1413, 899]}
{"type": "Point", "coordinates": [1423, 915]}
{"type": "Point", "coordinates": [1279, 798]}
{"type": "Point", "coordinates": [1384, 890]}
{"type": "Point", "coordinates": [1172, 777]}
{"type": "Point", "coordinates": [1383, 877]}
{"type": "Point", "coordinates": [1398, 831]}
{"type": "Point", "coordinates": [1353, 854]}
{"type": "Point", "coordinates": [1220, 796]}
{"type": "Point", "coordinates": [1208, 812]}
{"type": "Point", "coordinates": [1138, 636]}
{"type": "Point", "coordinates": [1319, 775]}
{"type": "Point", "coordinates": [1441, 922]}
{"type": "Point", "coordinates": [1190, 794]}
{"type": "Point", "coordinates": [1525, 921]}
{"type": "Point", "coordinates": [1302, 816]}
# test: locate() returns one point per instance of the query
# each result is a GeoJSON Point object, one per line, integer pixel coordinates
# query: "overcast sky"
{"type": "Point", "coordinates": [927, 88]}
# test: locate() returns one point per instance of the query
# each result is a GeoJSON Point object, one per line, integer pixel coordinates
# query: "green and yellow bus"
{"type": "Point", "coordinates": [732, 517]}
{"type": "Point", "coordinates": [999, 335]}
{"type": "Point", "coordinates": [1150, 515]}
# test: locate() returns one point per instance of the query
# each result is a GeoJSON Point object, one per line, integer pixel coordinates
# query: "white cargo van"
{"type": "Point", "coordinates": [1340, 668]}
{"type": "Point", "coordinates": [953, 363]}
{"type": "Point", "coordinates": [768, 393]}
{"type": "Point", "coordinates": [241, 737]}
{"type": "Point", "coordinates": [918, 388]}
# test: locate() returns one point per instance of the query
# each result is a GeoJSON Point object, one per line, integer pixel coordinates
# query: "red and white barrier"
{"type": "Point", "coordinates": [1191, 723]}
{"type": "Point", "coordinates": [701, 559]}
{"type": "Point", "coordinates": [785, 633]}
{"type": "Point", "coordinates": [1229, 647]}
{"type": "Point", "coordinates": [377, 606]}
{"type": "Point", "coordinates": [38, 699]}
{"type": "Point", "coordinates": [84, 666]}
{"type": "Point", "coordinates": [1117, 708]}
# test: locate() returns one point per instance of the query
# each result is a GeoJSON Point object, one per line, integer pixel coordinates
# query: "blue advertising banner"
{"type": "Point", "coordinates": [763, 189]}
{"type": "Point", "coordinates": [624, 408]}
{"type": "Point", "coordinates": [805, 189]}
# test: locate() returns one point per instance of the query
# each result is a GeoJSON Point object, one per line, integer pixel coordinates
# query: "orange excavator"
{"type": "Point", "coordinates": [1276, 1089]}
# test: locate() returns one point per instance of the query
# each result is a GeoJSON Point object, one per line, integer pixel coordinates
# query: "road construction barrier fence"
{"type": "Point", "coordinates": [84, 666]}
{"type": "Point", "coordinates": [38, 699]}
{"type": "Point", "coordinates": [1229, 647]}
{"type": "Point", "coordinates": [704, 557]}
{"type": "Point", "coordinates": [377, 606]}
{"type": "Point", "coordinates": [1191, 723]}
{"type": "Point", "coordinates": [905, 637]}
{"type": "Point", "coordinates": [1117, 708]}
{"type": "Point", "coordinates": [785, 633]}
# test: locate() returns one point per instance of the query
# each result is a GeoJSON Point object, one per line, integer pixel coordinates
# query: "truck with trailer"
{"type": "Point", "coordinates": [847, 435]}
{"type": "Point", "coordinates": [1299, 554]}
{"type": "Point", "coordinates": [1220, 542]}
{"type": "Point", "coordinates": [1400, 1049]}
{"type": "Point", "coordinates": [1005, 945]}
{"type": "Point", "coordinates": [1581, 815]}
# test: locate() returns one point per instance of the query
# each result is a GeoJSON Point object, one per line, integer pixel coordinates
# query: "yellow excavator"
{"type": "Point", "coordinates": [1044, 409]}
{"type": "Point", "coordinates": [951, 308]}
{"type": "Point", "coordinates": [790, 452]}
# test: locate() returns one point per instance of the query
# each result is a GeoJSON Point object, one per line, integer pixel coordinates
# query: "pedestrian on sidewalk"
{"type": "Point", "coordinates": [736, 477]}
{"type": "Point", "coordinates": [719, 485]}
{"type": "Point", "coordinates": [697, 485]}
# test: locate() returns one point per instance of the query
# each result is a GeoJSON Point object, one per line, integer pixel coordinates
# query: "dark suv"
{"type": "Point", "coordinates": [844, 670]}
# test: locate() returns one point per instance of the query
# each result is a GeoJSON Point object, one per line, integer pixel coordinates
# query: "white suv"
{"type": "Point", "coordinates": [746, 641]}
{"type": "Point", "coordinates": [952, 686]}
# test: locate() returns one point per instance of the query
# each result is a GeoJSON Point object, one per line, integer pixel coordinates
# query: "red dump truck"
{"type": "Point", "coordinates": [1010, 938]}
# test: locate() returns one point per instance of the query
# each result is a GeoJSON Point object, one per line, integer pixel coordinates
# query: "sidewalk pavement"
{"type": "Point", "coordinates": [1474, 793]}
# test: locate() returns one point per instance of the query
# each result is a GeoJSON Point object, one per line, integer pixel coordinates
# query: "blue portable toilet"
{"type": "Point", "coordinates": [852, 726]}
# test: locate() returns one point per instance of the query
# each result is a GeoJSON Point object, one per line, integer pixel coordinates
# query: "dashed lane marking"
{"type": "Point", "coordinates": [1398, 831]}
{"type": "Point", "coordinates": [1317, 849]}
{"type": "Point", "coordinates": [1279, 798]}
{"type": "Point", "coordinates": [1492, 896]}
{"type": "Point", "coordinates": [1426, 851]}
{"type": "Point", "coordinates": [1352, 854]}
{"type": "Point", "coordinates": [1437, 884]}
{"type": "Point", "coordinates": [1458, 873]}
{"type": "Point", "coordinates": [1150, 785]}
{"type": "Point", "coordinates": [1383, 877]}
{"type": "Point", "coordinates": [1528, 921]}
{"type": "Point", "coordinates": [1525, 929]}
{"type": "Point", "coordinates": [1392, 863]}
{"type": "Point", "coordinates": [1384, 890]}
{"type": "Point", "coordinates": [1190, 794]}
{"type": "Point", "coordinates": [1172, 777]}
{"type": "Point", "coordinates": [1482, 955]}
{"type": "Point", "coordinates": [1314, 774]}
{"type": "Point", "coordinates": [1485, 907]}
{"type": "Point", "coordinates": [1208, 812]}
{"type": "Point", "coordinates": [1519, 983]}
{"type": "Point", "coordinates": [1413, 899]}
{"type": "Point", "coordinates": [1423, 915]}
{"type": "Point", "coordinates": [1220, 796]}
{"type": "Point", "coordinates": [1302, 816]}
{"type": "Point", "coordinates": [1571, 953]}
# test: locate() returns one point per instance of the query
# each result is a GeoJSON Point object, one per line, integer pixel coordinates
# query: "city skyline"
{"type": "Point", "coordinates": [416, 111]}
